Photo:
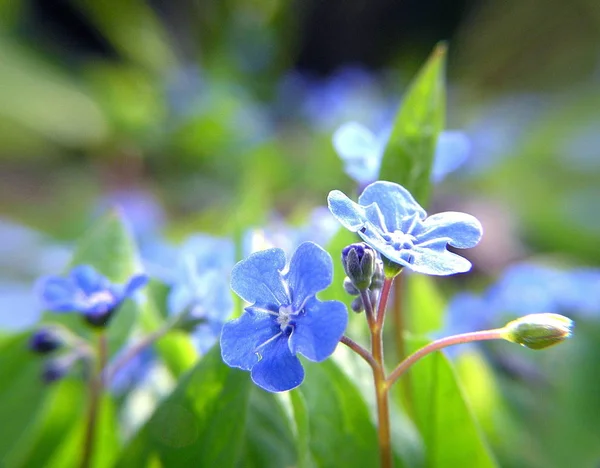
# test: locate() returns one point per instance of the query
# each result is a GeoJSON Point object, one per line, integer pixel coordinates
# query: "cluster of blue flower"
{"type": "Point", "coordinates": [285, 318]}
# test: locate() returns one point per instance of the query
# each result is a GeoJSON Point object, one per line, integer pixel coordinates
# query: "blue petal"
{"type": "Point", "coordinates": [451, 152]}
{"type": "Point", "coordinates": [242, 337]}
{"type": "Point", "coordinates": [319, 330]}
{"type": "Point", "coordinates": [179, 299]}
{"type": "Point", "coordinates": [437, 261]}
{"type": "Point", "coordinates": [88, 279]}
{"type": "Point", "coordinates": [353, 140]}
{"type": "Point", "coordinates": [257, 279]}
{"type": "Point", "coordinates": [57, 293]}
{"type": "Point", "coordinates": [311, 271]}
{"type": "Point", "coordinates": [360, 150]}
{"type": "Point", "coordinates": [394, 202]}
{"type": "Point", "coordinates": [460, 229]}
{"type": "Point", "coordinates": [134, 283]}
{"type": "Point", "coordinates": [278, 370]}
{"type": "Point", "coordinates": [351, 215]}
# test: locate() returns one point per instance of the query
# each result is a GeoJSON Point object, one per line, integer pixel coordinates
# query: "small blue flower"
{"type": "Point", "coordinates": [362, 152]}
{"type": "Point", "coordinates": [389, 219]}
{"type": "Point", "coordinates": [201, 286]}
{"type": "Point", "coordinates": [284, 318]}
{"type": "Point", "coordinates": [86, 291]}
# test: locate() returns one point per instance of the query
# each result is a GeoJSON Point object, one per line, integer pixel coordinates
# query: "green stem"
{"type": "Point", "coordinates": [381, 389]}
{"type": "Point", "coordinates": [496, 334]}
{"type": "Point", "coordinates": [362, 352]}
{"type": "Point", "coordinates": [96, 385]}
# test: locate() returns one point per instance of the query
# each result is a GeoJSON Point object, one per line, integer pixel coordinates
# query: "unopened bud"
{"type": "Point", "coordinates": [359, 264]}
{"type": "Point", "coordinates": [56, 368]}
{"type": "Point", "coordinates": [350, 288]}
{"type": "Point", "coordinates": [357, 305]}
{"type": "Point", "coordinates": [45, 340]}
{"type": "Point", "coordinates": [539, 331]}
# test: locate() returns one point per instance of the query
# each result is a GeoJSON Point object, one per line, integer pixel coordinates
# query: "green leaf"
{"type": "Point", "coordinates": [269, 441]}
{"type": "Point", "coordinates": [424, 304]}
{"type": "Point", "coordinates": [341, 431]}
{"type": "Point", "coordinates": [450, 433]}
{"type": "Point", "coordinates": [408, 156]}
{"type": "Point", "coordinates": [21, 392]}
{"type": "Point", "coordinates": [63, 406]}
{"type": "Point", "coordinates": [200, 424]}
{"type": "Point", "coordinates": [300, 409]}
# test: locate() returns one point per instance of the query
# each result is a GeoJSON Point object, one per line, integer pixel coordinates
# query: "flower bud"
{"type": "Point", "coordinates": [357, 305]}
{"type": "Point", "coordinates": [539, 331]}
{"type": "Point", "coordinates": [378, 276]}
{"type": "Point", "coordinates": [350, 288]}
{"type": "Point", "coordinates": [56, 368]}
{"type": "Point", "coordinates": [45, 340]}
{"type": "Point", "coordinates": [359, 264]}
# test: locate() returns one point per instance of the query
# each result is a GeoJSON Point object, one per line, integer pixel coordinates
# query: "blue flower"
{"type": "Point", "coordinates": [86, 291]}
{"type": "Point", "coordinates": [389, 219]}
{"type": "Point", "coordinates": [284, 318]}
{"type": "Point", "coordinates": [362, 152]}
{"type": "Point", "coordinates": [201, 286]}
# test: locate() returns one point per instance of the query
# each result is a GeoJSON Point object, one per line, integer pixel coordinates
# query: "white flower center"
{"type": "Point", "coordinates": [285, 316]}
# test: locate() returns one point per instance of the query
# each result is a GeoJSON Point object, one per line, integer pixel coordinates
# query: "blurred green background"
{"type": "Point", "coordinates": [217, 116]}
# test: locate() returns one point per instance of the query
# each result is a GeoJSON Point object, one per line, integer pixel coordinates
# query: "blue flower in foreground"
{"type": "Point", "coordinates": [284, 318]}
{"type": "Point", "coordinates": [389, 219]}
{"type": "Point", "coordinates": [362, 152]}
{"type": "Point", "coordinates": [86, 291]}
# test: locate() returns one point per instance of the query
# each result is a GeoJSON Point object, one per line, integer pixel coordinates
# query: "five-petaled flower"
{"type": "Point", "coordinates": [86, 291]}
{"type": "Point", "coordinates": [284, 318]}
{"type": "Point", "coordinates": [389, 219]}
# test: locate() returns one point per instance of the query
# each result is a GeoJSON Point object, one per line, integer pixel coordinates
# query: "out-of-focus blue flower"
{"type": "Point", "coordinates": [523, 289]}
{"type": "Point", "coordinates": [320, 229]}
{"type": "Point", "coordinates": [466, 312]}
{"type": "Point", "coordinates": [327, 102]}
{"type": "Point", "coordinates": [284, 318]}
{"type": "Point", "coordinates": [528, 288]}
{"type": "Point", "coordinates": [86, 291]}
{"type": "Point", "coordinates": [389, 219]}
{"type": "Point", "coordinates": [362, 152]}
{"type": "Point", "coordinates": [201, 286]}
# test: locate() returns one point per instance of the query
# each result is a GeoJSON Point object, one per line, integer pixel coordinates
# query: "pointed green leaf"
{"type": "Point", "coordinates": [408, 156]}
{"type": "Point", "coordinates": [341, 430]}
{"type": "Point", "coordinates": [269, 441]}
{"type": "Point", "coordinates": [300, 409]}
{"type": "Point", "coordinates": [200, 424]}
{"type": "Point", "coordinates": [451, 434]}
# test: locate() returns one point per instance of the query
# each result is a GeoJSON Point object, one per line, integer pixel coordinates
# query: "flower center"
{"type": "Point", "coordinates": [285, 318]}
{"type": "Point", "coordinates": [400, 241]}
{"type": "Point", "coordinates": [100, 297]}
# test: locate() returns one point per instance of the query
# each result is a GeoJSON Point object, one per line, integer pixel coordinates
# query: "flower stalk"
{"type": "Point", "coordinates": [96, 386]}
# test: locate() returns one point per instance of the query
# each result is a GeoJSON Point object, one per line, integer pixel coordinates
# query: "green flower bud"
{"type": "Point", "coordinates": [539, 331]}
{"type": "Point", "coordinates": [359, 264]}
